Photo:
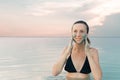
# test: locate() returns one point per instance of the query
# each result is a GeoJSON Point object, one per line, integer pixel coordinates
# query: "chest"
{"type": "Point", "coordinates": [78, 61]}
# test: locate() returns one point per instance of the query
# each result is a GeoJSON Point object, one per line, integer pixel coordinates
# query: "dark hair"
{"type": "Point", "coordinates": [87, 27]}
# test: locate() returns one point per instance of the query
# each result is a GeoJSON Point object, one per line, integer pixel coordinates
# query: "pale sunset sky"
{"type": "Point", "coordinates": [55, 17]}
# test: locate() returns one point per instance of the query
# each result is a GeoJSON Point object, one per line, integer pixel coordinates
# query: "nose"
{"type": "Point", "coordinates": [78, 34]}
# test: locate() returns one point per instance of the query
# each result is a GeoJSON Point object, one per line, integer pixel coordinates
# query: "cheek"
{"type": "Point", "coordinates": [84, 36]}
{"type": "Point", "coordinates": [83, 32]}
{"type": "Point", "coordinates": [72, 33]}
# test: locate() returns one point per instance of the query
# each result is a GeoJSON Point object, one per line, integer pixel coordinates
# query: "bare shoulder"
{"type": "Point", "coordinates": [95, 55]}
{"type": "Point", "coordinates": [94, 51]}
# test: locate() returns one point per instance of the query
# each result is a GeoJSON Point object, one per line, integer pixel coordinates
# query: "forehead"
{"type": "Point", "coordinates": [79, 26]}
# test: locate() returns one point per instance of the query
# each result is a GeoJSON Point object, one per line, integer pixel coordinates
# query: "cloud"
{"type": "Point", "coordinates": [47, 8]}
{"type": "Point", "coordinates": [94, 12]}
{"type": "Point", "coordinates": [32, 15]}
{"type": "Point", "coordinates": [110, 26]}
{"type": "Point", "coordinates": [101, 11]}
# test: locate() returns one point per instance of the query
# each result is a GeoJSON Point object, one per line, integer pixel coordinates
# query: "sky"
{"type": "Point", "coordinates": [55, 17]}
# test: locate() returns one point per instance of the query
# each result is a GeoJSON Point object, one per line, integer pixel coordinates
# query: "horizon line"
{"type": "Point", "coordinates": [61, 36]}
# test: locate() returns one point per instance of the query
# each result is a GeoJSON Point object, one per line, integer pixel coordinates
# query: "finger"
{"type": "Point", "coordinates": [73, 36]}
{"type": "Point", "coordinates": [84, 36]}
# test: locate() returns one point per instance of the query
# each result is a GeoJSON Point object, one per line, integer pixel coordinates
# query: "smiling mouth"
{"type": "Point", "coordinates": [78, 38]}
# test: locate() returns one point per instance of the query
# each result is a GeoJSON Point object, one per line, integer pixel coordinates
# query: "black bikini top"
{"type": "Point", "coordinates": [69, 66]}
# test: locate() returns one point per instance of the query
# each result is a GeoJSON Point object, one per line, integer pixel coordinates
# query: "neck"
{"type": "Point", "coordinates": [79, 47]}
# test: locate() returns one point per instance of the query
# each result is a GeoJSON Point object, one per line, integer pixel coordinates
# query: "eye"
{"type": "Point", "coordinates": [82, 31]}
{"type": "Point", "coordinates": [75, 31]}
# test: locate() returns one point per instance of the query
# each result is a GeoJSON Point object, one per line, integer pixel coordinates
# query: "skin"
{"type": "Point", "coordinates": [79, 52]}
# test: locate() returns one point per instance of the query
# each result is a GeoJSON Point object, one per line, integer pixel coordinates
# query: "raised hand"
{"type": "Point", "coordinates": [70, 45]}
{"type": "Point", "coordinates": [87, 45]}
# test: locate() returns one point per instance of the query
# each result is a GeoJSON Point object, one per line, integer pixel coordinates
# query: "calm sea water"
{"type": "Point", "coordinates": [32, 58]}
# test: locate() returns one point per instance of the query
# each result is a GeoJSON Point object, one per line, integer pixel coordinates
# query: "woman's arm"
{"type": "Point", "coordinates": [58, 66]}
{"type": "Point", "coordinates": [93, 58]}
{"type": "Point", "coordinates": [94, 64]}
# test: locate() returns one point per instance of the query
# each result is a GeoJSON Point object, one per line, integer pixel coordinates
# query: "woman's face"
{"type": "Point", "coordinates": [79, 30]}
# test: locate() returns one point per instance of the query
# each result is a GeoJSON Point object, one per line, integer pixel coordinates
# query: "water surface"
{"type": "Point", "coordinates": [32, 58]}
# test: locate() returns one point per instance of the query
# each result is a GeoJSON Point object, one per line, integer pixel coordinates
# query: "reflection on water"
{"type": "Point", "coordinates": [32, 58]}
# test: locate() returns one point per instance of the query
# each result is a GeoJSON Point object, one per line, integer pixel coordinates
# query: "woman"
{"type": "Point", "coordinates": [79, 58]}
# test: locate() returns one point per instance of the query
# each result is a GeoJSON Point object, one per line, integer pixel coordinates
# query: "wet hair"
{"type": "Point", "coordinates": [87, 27]}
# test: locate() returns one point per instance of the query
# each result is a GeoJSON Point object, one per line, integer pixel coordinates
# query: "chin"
{"type": "Point", "coordinates": [79, 42]}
